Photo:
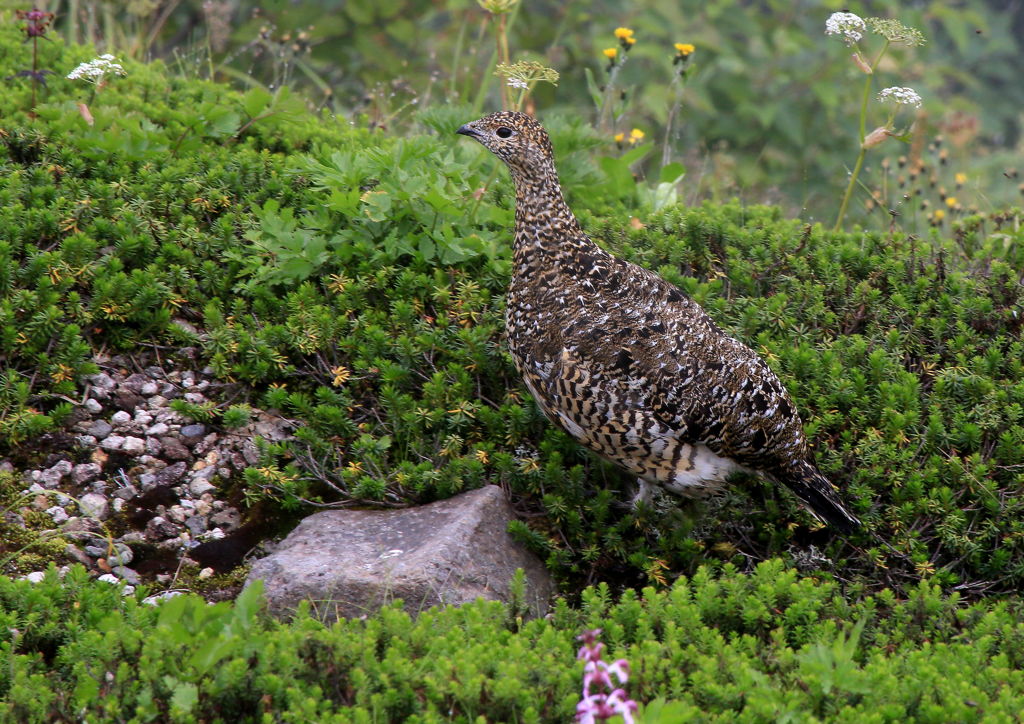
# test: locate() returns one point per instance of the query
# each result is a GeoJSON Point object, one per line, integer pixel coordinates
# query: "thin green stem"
{"type": "Point", "coordinates": [35, 70]}
{"type": "Point", "coordinates": [849, 188]}
{"type": "Point", "coordinates": [485, 84]}
{"type": "Point", "coordinates": [72, 32]}
{"type": "Point", "coordinates": [476, 201]}
{"type": "Point", "coordinates": [457, 58]}
{"type": "Point", "coordinates": [503, 58]}
{"type": "Point", "coordinates": [522, 98]}
{"type": "Point", "coordinates": [862, 131]}
{"type": "Point", "coordinates": [666, 150]}
{"type": "Point", "coordinates": [609, 93]}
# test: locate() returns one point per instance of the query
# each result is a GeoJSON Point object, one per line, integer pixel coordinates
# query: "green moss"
{"type": "Point", "coordinates": [28, 541]}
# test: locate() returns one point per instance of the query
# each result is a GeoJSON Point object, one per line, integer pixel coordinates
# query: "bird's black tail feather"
{"type": "Point", "coordinates": [819, 496]}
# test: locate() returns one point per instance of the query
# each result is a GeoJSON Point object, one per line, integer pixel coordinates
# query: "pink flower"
{"type": "Point", "coordinates": [601, 707]}
{"type": "Point", "coordinates": [37, 22]}
{"type": "Point", "coordinates": [600, 676]}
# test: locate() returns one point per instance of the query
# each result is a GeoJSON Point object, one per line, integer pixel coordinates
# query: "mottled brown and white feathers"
{"type": "Point", "coordinates": [629, 365]}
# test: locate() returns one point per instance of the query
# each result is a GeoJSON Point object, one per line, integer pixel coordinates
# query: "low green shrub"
{"type": "Point", "coordinates": [768, 645]}
{"type": "Point", "coordinates": [354, 281]}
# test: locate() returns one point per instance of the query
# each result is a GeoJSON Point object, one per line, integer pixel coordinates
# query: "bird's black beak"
{"type": "Point", "coordinates": [468, 130]}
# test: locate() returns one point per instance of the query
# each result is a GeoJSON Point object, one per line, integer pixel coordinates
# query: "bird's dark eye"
{"type": "Point", "coordinates": [504, 132]}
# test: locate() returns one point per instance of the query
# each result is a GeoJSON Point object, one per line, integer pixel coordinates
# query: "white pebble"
{"type": "Point", "coordinates": [58, 514]}
{"type": "Point", "coordinates": [161, 428]}
{"type": "Point", "coordinates": [112, 442]}
{"type": "Point", "coordinates": [158, 597]}
{"type": "Point", "coordinates": [134, 445]}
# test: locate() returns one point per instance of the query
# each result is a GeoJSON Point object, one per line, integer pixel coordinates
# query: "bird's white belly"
{"type": "Point", "coordinates": [699, 470]}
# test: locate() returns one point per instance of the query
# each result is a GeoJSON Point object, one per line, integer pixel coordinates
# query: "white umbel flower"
{"type": "Point", "coordinates": [850, 26]}
{"type": "Point", "coordinates": [518, 83]}
{"type": "Point", "coordinates": [902, 96]}
{"type": "Point", "coordinates": [95, 70]}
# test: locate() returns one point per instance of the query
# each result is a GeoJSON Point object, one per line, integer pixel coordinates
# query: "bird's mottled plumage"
{"type": "Point", "coordinates": [625, 362]}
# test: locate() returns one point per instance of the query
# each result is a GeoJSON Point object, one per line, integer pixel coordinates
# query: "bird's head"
{"type": "Point", "coordinates": [517, 139]}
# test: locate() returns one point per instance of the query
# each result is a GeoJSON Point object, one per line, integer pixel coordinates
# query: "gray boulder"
{"type": "Point", "coordinates": [349, 563]}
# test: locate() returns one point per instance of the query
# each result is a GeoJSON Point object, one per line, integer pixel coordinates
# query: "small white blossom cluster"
{"type": "Point", "coordinates": [96, 69]}
{"type": "Point", "coordinates": [850, 26]}
{"type": "Point", "coordinates": [903, 96]}
{"type": "Point", "coordinates": [518, 83]}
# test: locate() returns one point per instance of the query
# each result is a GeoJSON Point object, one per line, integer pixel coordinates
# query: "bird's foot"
{"type": "Point", "coordinates": [644, 492]}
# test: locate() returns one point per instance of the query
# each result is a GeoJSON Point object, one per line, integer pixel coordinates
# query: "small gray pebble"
{"type": "Point", "coordinates": [196, 525]}
{"type": "Point", "coordinates": [100, 428]}
{"type": "Point", "coordinates": [93, 505]}
{"type": "Point", "coordinates": [174, 449]}
{"type": "Point", "coordinates": [156, 373]}
{"type": "Point", "coordinates": [58, 514]}
{"type": "Point", "coordinates": [121, 556]}
{"type": "Point", "coordinates": [50, 478]}
{"type": "Point", "coordinates": [160, 428]}
{"type": "Point", "coordinates": [194, 430]}
{"type": "Point", "coordinates": [63, 467]}
{"type": "Point", "coordinates": [85, 472]}
{"type": "Point", "coordinates": [171, 474]}
{"type": "Point", "coordinates": [101, 380]}
{"type": "Point", "coordinates": [199, 486]}
{"type": "Point", "coordinates": [112, 442]}
{"type": "Point", "coordinates": [127, 492]}
{"type": "Point", "coordinates": [127, 574]}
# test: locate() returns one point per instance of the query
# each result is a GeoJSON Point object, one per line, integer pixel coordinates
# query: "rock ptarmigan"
{"type": "Point", "coordinates": [626, 363]}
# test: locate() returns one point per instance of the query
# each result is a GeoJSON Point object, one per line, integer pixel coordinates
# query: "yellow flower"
{"type": "Point", "coordinates": [623, 33]}
{"type": "Point", "coordinates": [341, 374]}
{"type": "Point", "coordinates": [610, 53]}
{"type": "Point", "coordinates": [635, 135]}
{"type": "Point", "coordinates": [961, 178]}
{"type": "Point", "coordinates": [629, 41]}
{"type": "Point", "coordinates": [620, 137]}
{"type": "Point", "coordinates": [951, 201]}
{"type": "Point", "coordinates": [684, 49]}
{"type": "Point", "coordinates": [939, 215]}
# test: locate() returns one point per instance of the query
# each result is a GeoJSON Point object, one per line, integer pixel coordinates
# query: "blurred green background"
{"type": "Point", "coordinates": [769, 112]}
